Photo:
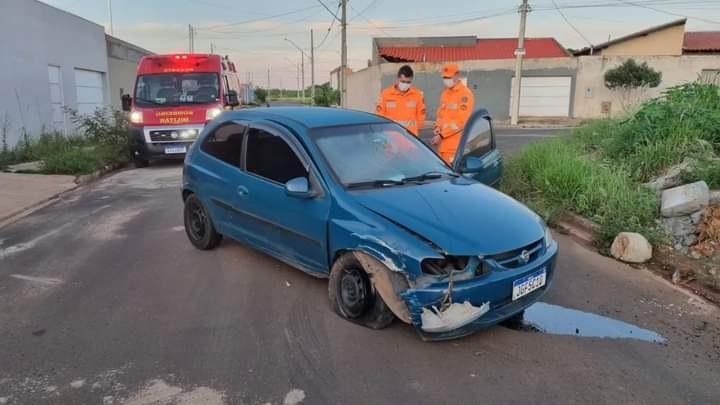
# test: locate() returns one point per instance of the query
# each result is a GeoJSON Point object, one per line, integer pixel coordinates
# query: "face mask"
{"type": "Point", "coordinates": [402, 86]}
{"type": "Point", "coordinates": [449, 82]}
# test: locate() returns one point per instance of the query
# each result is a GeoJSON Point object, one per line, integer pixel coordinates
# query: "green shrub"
{"type": "Point", "coordinates": [557, 175]}
{"type": "Point", "coordinates": [632, 75]}
{"type": "Point", "coordinates": [74, 160]}
{"type": "Point", "coordinates": [705, 169]}
{"type": "Point", "coordinates": [261, 95]}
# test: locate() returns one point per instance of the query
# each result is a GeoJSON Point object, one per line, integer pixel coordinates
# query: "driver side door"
{"type": "Point", "coordinates": [477, 154]}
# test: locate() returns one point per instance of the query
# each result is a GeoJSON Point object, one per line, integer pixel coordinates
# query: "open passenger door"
{"type": "Point", "coordinates": [477, 155]}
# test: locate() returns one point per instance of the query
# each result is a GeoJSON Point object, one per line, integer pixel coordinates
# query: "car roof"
{"type": "Point", "coordinates": [309, 117]}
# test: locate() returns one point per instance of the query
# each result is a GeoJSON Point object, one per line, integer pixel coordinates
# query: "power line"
{"type": "Point", "coordinates": [328, 9]}
{"type": "Point", "coordinates": [571, 24]}
{"type": "Point", "coordinates": [332, 23]}
{"type": "Point", "coordinates": [667, 12]}
{"type": "Point", "coordinates": [361, 15]}
{"type": "Point", "coordinates": [300, 10]}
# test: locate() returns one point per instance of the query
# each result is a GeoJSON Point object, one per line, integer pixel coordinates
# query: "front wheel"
{"type": "Point", "coordinates": [198, 225]}
{"type": "Point", "coordinates": [353, 297]}
{"type": "Point", "coordinates": [140, 162]}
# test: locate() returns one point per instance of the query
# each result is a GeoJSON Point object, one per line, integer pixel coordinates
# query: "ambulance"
{"type": "Point", "coordinates": [174, 97]}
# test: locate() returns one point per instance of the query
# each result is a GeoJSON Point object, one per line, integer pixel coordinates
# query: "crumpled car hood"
{"type": "Point", "coordinates": [459, 216]}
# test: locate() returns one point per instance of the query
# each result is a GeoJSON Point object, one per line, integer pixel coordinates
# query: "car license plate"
{"type": "Point", "coordinates": [526, 285]}
{"type": "Point", "coordinates": [171, 150]}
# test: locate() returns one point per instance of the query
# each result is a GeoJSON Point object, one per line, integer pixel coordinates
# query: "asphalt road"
{"type": "Point", "coordinates": [511, 140]}
{"type": "Point", "coordinates": [103, 300]}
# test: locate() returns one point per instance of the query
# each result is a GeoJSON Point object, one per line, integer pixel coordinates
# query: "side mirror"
{"type": "Point", "coordinates": [231, 98]}
{"type": "Point", "coordinates": [126, 101]}
{"type": "Point", "coordinates": [298, 187]}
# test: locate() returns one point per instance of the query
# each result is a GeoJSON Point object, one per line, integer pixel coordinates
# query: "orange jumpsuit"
{"type": "Point", "coordinates": [456, 105]}
{"type": "Point", "coordinates": [406, 108]}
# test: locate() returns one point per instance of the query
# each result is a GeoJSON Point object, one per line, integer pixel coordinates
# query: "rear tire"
{"type": "Point", "coordinates": [198, 225]}
{"type": "Point", "coordinates": [353, 297]}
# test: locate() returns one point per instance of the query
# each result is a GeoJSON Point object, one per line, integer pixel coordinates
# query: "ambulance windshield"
{"type": "Point", "coordinates": [171, 89]}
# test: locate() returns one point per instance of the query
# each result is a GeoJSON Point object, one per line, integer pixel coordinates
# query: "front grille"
{"type": "Point", "coordinates": [515, 258]}
{"type": "Point", "coordinates": [173, 135]}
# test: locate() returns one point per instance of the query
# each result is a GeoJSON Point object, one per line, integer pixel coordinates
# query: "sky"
{"type": "Point", "coordinates": [253, 33]}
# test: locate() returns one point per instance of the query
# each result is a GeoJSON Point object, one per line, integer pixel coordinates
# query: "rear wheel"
{"type": "Point", "coordinates": [198, 225]}
{"type": "Point", "coordinates": [353, 297]}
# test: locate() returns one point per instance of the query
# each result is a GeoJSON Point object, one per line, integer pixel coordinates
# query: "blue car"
{"type": "Point", "coordinates": [357, 199]}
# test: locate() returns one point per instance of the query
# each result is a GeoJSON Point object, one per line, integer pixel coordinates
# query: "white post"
{"type": "Point", "coordinates": [519, 53]}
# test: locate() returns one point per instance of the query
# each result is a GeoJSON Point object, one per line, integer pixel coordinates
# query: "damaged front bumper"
{"type": "Point", "coordinates": [494, 288]}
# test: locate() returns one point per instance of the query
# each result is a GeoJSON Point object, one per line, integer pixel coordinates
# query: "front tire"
{"type": "Point", "coordinates": [198, 225]}
{"type": "Point", "coordinates": [140, 162]}
{"type": "Point", "coordinates": [353, 297]}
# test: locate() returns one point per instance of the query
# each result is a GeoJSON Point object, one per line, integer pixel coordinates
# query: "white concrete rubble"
{"type": "Point", "coordinates": [452, 317]}
{"type": "Point", "coordinates": [685, 200]}
{"type": "Point", "coordinates": [631, 247]}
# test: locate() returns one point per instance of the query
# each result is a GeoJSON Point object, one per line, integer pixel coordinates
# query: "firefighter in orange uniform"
{"type": "Point", "coordinates": [403, 103]}
{"type": "Point", "coordinates": [456, 105]}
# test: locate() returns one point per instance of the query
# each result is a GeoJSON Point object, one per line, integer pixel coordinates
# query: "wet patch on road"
{"type": "Point", "coordinates": [557, 320]}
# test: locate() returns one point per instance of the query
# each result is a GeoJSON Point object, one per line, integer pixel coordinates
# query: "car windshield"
{"type": "Point", "coordinates": [377, 155]}
{"type": "Point", "coordinates": [169, 89]}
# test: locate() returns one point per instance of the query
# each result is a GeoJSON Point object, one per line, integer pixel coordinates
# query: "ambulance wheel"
{"type": "Point", "coordinates": [140, 162]}
{"type": "Point", "coordinates": [353, 297]}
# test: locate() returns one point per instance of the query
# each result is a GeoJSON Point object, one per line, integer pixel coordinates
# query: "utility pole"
{"type": "Point", "coordinates": [212, 48]}
{"type": "Point", "coordinates": [312, 67]}
{"type": "Point", "coordinates": [302, 73]}
{"type": "Point", "coordinates": [297, 95]}
{"type": "Point", "coordinates": [519, 53]}
{"type": "Point", "coordinates": [343, 54]}
{"type": "Point", "coordinates": [268, 81]}
{"type": "Point", "coordinates": [110, 21]}
{"type": "Point", "coordinates": [191, 39]}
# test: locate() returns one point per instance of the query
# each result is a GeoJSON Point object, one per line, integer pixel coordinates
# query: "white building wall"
{"type": "Point", "coordinates": [591, 93]}
{"type": "Point", "coordinates": [36, 36]}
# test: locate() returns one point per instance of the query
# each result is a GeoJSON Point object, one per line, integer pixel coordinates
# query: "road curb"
{"type": "Point", "coordinates": [581, 229]}
{"type": "Point", "coordinates": [80, 181]}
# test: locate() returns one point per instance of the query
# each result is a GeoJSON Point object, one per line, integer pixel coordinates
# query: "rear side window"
{"type": "Point", "coordinates": [225, 143]}
{"type": "Point", "coordinates": [269, 156]}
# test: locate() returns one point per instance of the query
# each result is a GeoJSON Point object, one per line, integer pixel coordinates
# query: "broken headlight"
{"type": "Point", "coordinates": [456, 264]}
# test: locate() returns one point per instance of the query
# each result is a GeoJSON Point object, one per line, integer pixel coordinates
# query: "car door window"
{"type": "Point", "coordinates": [225, 143]}
{"type": "Point", "coordinates": [270, 157]}
{"type": "Point", "coordinates": [479, 141]}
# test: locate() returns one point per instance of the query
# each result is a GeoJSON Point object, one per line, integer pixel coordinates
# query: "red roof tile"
{"type": "Point", "coordinates": [702, 41]}
{"type": "Point", "coordinates": [499, 48]}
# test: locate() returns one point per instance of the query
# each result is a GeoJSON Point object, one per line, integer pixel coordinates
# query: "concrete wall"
{"type": "Point", "coordinates": [35, 35]}
{"type": "Point", "coordinates": [667, 42]}
{"type": "Point", "coordinates": [123, 59]}
{"type": "Point", "coordinates": [490, 81]}
{"type": "Point", "coordinates": [590, 91]}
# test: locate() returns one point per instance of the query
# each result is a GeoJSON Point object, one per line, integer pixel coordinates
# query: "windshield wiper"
{"type": "Point", "coordinates": [376, 183]}
{"type": "Point", "coordinates": [429, 176]}
{"type": "Point", "coordinates": [144, 100]}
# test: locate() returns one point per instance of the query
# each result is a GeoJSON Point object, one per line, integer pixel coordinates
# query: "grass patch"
{"type": "Point", "coordinates": [598, 171]}
{"type": "Point", "coordinates": [101, 140]}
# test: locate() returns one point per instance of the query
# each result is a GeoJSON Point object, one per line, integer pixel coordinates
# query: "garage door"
{"type": "Point", "coordinates": [90, 90]}
{"type": "Point", "coordinates": [544, 96]}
